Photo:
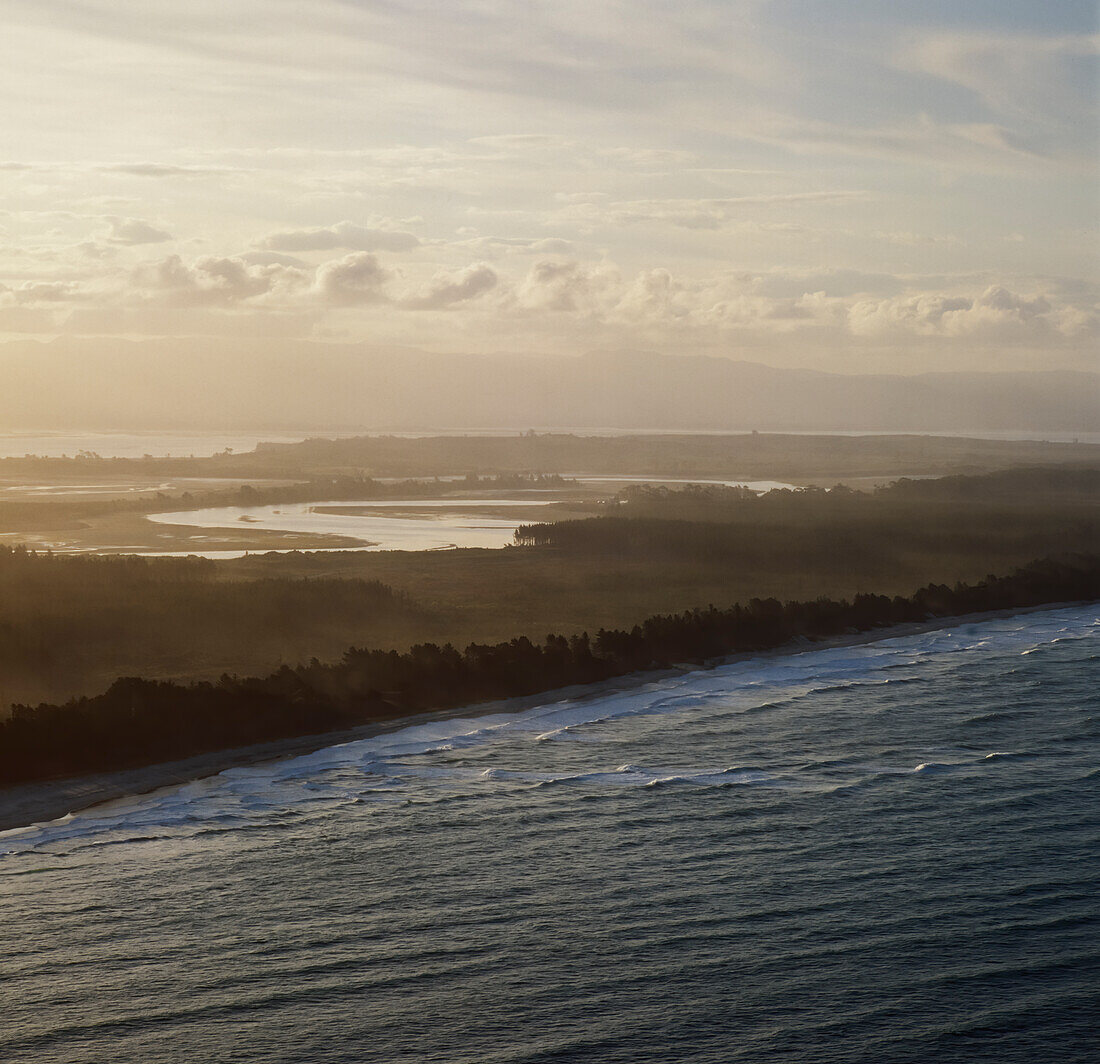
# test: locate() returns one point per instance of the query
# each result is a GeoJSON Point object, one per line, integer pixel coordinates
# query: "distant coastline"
{"type": "Point", "coordinates": [183, 443]}
{"type": "Point", "coordinates": [26, 804]}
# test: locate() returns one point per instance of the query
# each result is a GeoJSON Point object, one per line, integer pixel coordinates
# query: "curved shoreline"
{"type": "Point", "coordinates": [24, 805]}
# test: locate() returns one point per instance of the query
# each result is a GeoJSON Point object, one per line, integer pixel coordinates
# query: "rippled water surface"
{"type": "Point", "coordinates": [883, 854]}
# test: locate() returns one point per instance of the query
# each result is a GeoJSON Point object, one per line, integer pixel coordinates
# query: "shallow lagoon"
{"type": "Point", "coordinates": [424, 524]}
{"type": "Point", "coordinates": [443, 524]}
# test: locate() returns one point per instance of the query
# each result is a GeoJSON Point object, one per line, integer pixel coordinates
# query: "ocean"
{"type": "Point", "coordinates": [879, 853]}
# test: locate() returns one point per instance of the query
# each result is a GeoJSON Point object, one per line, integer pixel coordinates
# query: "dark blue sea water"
{"type": "Point", "coordinates": [881, 854]}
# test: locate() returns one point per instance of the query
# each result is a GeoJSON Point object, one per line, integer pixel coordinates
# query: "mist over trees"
{"type": "Point", "coordinates": [69, 622]}
{"type": "Point", "coordinates": [138, 721]}
{"type": "Point", "coordinates": [1030, 511]}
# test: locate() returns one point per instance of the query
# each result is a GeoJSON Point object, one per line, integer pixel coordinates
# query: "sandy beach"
{"type": "Point", "coordinates": [33, 803]}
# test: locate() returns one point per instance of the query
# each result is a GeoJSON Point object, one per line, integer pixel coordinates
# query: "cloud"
{"type": "Point", "coordinates": [45, 292]}
{"type": "Point", "coordinates": [997, 314]}
{"type": "Point", "coordinates": [838, 309]}
{"type": "Point", "coordinates": [446, 289]}
{"type": "Point", "coordinates": [905, 238]}
{"type": "Point", "coordinates": [132, 231]}
{"type": "Point", "coordinates": [342, 235]}
{"type": "Point", "coordinates": [551, 246]}
{"type": "Point", "coordinates": [579, 197]}
{"type": "Point", "coordinates": [91, 249]}
{"type": "Point", "coordinates": [708, 213]}
{"type": "Point", "coordinates": [654, 295]}
{"type": "Point", "coordinates": [569, 287]}
{"type": "Point", "coordinates": [648, 157]}
{"type": "Point", "coordinates": [162, 170]}
{"type": "Point", "coordinates": [1042, 89]}
{"type": "Point", "coordinates": [399, 156]}
{"type": "Point", "coordinates": [213, 281]}
{"type": "Point", "coordinates": [273, 258]}
{"type": "Point", "coordinates": [354, 280]}
{"type": "Point", "coordinates": [757, 170]}
{"type": "Point", "coordinates": [566, 301]}
{"type": "Point", "coordinates": [538, 141]}
{"type": "Point", "coordinates": [494, 246]}
{"type": "Point", "coordinates": [785, 284]}
{"type": "Point", "coordinates": [140, 169]}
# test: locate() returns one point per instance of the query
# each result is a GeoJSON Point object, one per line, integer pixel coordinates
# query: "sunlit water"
{"type": "Point", "coordinates": [443, 524]}
{"type": "Point", "coordinates": [440, 524]}
{"type": "Point", "coordinates": [879, 854]}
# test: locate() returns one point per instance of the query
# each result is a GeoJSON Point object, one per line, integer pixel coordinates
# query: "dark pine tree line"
{"type": "Point", "coordinates": [138, 722]}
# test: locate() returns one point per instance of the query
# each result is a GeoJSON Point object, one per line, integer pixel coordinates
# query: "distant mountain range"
{"type": "Point", "coordinates": [94, 385]}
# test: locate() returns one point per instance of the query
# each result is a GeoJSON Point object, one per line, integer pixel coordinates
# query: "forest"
{"type": "Point", "coordinates": [1014, 513]}
{"type": "Point", "coordinates": [72, 624]}
{"type": "Point", "coordinates": [138, 721]}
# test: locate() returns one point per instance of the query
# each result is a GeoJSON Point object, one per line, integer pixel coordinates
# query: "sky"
{"type": "Point", "coordinates": [856, 186]}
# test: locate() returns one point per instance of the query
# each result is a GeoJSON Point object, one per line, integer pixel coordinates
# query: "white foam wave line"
{"type": "Point", "coordinates": [380, 762]}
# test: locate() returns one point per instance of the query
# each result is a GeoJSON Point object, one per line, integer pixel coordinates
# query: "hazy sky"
{"type": "Point", "coordinates": [865, 184]}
